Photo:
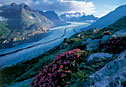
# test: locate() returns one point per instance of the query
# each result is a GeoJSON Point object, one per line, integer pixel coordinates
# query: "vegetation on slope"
{"type": "Point", "coordinates": [111, 44]}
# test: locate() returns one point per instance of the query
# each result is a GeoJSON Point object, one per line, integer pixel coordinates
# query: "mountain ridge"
{"type": "Point", "coordinates": [26, 23]}
{"type": "Point", "coordinates": [51, 15]}
{"type": "Point", "coordinates": [110, 18]}
{"type": "Point", "coordinates": [77, 17]}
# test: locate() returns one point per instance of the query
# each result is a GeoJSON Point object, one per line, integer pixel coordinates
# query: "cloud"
{"type": "Point", "coordinates": [101, 14]}
{"type": "Point", "coordinates": [6, 2]}
{"type": "Point", "coordinates": [103, 11]}
{"type": "Point", "coordinates": [62, 6]}
{"type": "Point", "coordinates": [1, 5]}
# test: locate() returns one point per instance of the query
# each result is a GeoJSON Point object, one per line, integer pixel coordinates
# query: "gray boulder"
{"type": "Point", "coordinates": [120, 33]}
{"type": "Point", "coordinates": [99, 56]}
{"type": "Point", "coordinates": [93, 45]}
{"type": "Point", "coordinates": [111, 75]}
{"type": "Point", "coordinates": [105, 38]}
{"type": "Point", "coordinates": [86, 42]}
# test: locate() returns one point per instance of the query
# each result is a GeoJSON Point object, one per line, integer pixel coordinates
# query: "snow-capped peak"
{"type": "Point", "coordinates": [76, 14]}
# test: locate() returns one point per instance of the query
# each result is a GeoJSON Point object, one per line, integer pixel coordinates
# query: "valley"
{"type": "Point", "coordinates": [30, 50]}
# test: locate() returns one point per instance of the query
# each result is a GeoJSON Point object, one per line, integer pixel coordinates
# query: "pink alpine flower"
{"type": "Point", "coordinates": [61, 66]}
{"type": "Point", "coordinates": [70, 52]}
{"type": "Point", "coordinates": [68, 71]}
{"type": "Point", "coordinates": [62, 75]}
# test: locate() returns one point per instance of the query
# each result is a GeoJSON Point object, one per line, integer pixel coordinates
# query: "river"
{"type": "Point", "coordinates": [27, 51]}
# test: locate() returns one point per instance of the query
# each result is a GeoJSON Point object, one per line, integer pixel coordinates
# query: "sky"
{"type": "Point", "coordinates": [98, 8]}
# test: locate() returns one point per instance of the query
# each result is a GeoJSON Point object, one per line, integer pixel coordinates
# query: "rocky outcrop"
{"type": "Point", "coordinates": [93, 45]}
{"type": "Point", "coordinates": [99, 56]}
{"type": "Point", "coordinates": [111, 75]}
{"type": "Point", "coordinates": [120, 33]}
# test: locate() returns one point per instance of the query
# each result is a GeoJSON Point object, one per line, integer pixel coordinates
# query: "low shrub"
{"type": "Point", "coordinates": [123, 83]}
{"type": "Point", "coordinates": [106, 33]}
{"type": "Point", "coordinates": [114, 45]}
{"type": "Point", "coordinates": [59, 72]}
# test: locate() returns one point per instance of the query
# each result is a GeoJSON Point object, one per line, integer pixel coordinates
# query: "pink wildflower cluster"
{"type": "Point", "coordinates": [59, 71]}
{"type": "Point", "coordinates": [114, 44]}
{"type": "Point", "coordinates": [107, 33]}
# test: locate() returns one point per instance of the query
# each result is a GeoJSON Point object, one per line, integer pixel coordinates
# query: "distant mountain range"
{"type": "Point", "coordinates": [20, 23]}
{"type": "Point", "coordinates": [51, 15]}
{"type": "Point", "coordinates": [77, 17]}
{"type": "Point", "coordinates": [109, 18]}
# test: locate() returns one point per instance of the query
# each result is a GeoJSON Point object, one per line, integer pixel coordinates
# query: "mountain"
{"type": "Point", "coordinates": [119, 24]}
{"type": "Point", "coordinates": [67, 16]}
{"type": "Point", "coordinates": [89, 17]}
{"type": "Point", "coordinates": [51, 15]}
{"type": "Point", "coordinates": [77, 17]}
{"type": "Point", "coordinates": [110, 18]}
{"type": "Point", "coordinates": [20, 22]}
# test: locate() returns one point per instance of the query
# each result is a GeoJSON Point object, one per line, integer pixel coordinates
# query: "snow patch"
{"type": "Point", "coordinates": [76, 14]}
{"type": "Point", "coordinates": [31, 17]}
{"type": "Point", "coordinates": [3, 19]}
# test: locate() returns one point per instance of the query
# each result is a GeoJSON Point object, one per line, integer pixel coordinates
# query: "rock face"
{"type": "Point", "coordinates": [111, 75]}
{"type": "Point", "coordinates": [120, 33]}
{"type": "Point", "coordinates": [105, 38]}
{"type": "Point", "coordinates": [99, 56]}
{"type": "Point", "coordinates": [87, 41]}
{"type": "Point", "coordinates": [93, 45]}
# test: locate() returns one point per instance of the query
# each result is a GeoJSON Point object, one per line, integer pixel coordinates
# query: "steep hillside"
{"type": "Point", "coordinates": [20, 22]}
{"type": "Point", "coordinates": [120, 24]}
{"type": "Point", "coordinates": [110, 18]}
{"type": "Point", "coordinates": [51, 15]}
